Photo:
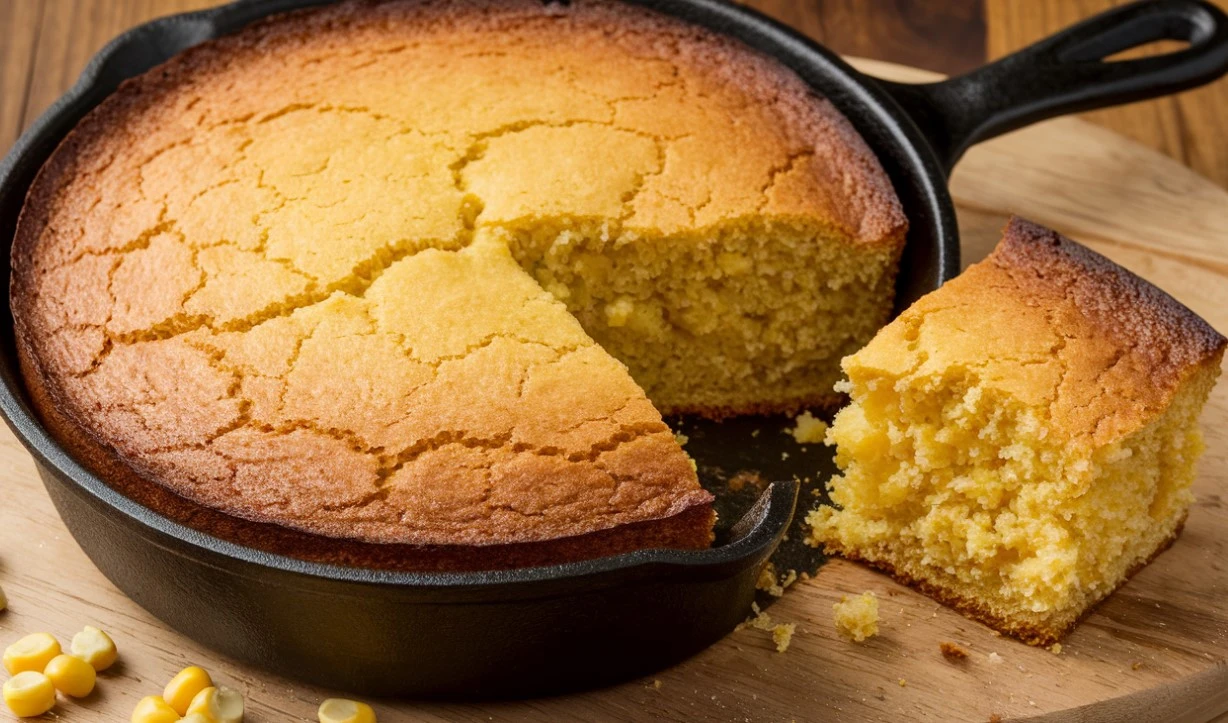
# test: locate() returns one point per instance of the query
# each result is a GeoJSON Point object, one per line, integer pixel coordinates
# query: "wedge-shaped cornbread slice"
{"type": "Point", "coordinates": [1023, 439]}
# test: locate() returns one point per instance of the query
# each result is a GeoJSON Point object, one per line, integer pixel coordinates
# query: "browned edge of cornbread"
{"type": "Point", "coordinates": [975, 610]}
{"type": "Point", "coordinates": [690, 528]}
{"type": "Point", "coordinates": [1176, 342]}
{"type": "Point", "coordinates": [1123, 305]}
{"type": "Point", "coordinates": [137, 95]}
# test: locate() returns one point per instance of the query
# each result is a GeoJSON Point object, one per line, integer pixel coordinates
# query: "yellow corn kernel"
{"type": "Point", "coordinates": [196, 718]}
{"type": "Point", "coordinates": [339, 710]}
{"type": "Point", "coordinates": [94, 647]}
{"type": "Point", "coordinates": [153, 709]}
{"type": "Point", "coordinates": [32, 652]}
{"type": "Point", "coordinates": [184, 687]}
{"type": "Point", "coordinates": [29, 693]}
{"type": "Point", "coordinates": [218, 705]}
{"type": "Point", "coordinates": [71, 675]}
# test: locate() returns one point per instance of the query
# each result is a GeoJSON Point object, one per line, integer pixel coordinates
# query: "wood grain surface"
{"type": "Point", "coordinates": [1156, 650]}
{"type": "Point", "coordinates": [45, 43]}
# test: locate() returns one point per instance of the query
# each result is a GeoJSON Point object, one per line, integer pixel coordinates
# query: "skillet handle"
{"type": "Point", "coordinates": [1067, 73]}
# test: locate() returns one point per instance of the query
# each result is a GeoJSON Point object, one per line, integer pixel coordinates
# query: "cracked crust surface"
{"type": "Point", "coordinates": [1022, 440]}
{"type": "Point", "coordinates": [259, 288]}
{"type": "Point", "coordinates": [1067, 330]}
{"type": "Point", "coordinates": [264, 277]}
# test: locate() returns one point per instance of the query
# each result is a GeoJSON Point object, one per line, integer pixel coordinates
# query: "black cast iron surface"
{"type": "Point", "coordinates": [540, 630]}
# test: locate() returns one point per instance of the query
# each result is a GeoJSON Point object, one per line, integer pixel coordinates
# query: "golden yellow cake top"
{"type": "Point", "coordinates": [1057, 327]}
{"type": "Point", "coordinates": [271, 274]}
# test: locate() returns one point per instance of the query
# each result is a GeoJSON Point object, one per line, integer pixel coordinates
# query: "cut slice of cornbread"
{"type": "Point", "coordinates": [1023, 439]}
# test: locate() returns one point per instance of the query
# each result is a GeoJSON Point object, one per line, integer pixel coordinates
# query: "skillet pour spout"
{"type": "Point", "coordinates": [549, 629]}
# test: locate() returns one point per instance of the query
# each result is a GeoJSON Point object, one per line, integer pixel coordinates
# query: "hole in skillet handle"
{"type": "Point", "coordinates": [1069, 72]}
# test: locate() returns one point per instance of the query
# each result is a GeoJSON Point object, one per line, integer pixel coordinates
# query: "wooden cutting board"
{"type": "Point", "coordinates": [1156, 650]}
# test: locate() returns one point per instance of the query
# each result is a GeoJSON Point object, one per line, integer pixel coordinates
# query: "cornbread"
{"type": "Point", "coordinates": [857, 617]}
{"type": "Point", "coordinates": [1023, 439]}
{"type": "Point", "coordinates": [782, 633]}
{"type": "Point", "coordinates": [392, 283]}
{"type": "Point", "coordinates": [809, 429]}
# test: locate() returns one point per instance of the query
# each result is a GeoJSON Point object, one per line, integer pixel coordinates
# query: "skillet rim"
{"type": "Point", "coordinates": [872, 111]}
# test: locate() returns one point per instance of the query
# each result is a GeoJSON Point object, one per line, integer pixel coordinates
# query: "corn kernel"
{"type": "Point", "coordinates": [218, 705]}
{"type": "Point", "coordinates": [196, 718]}
{"type": "Point", "coordinates": [32, 652]}
{"type": "Point", "coordinates": [71, 675]}
{"type": "Point", "coordinates": [153, 709]}
{"type": "Point", "coordinates": [184, 687]}
{"type": "Point", "coordinates": [94, 647]}
{"type": "Point", "coordinates": [339, 710]}
{"type": "Point", "coordinates": [29, 693]}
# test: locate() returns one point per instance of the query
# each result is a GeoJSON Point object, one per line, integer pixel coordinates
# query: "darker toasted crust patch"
{"type": "Point", "coordinates": [1138, 316]}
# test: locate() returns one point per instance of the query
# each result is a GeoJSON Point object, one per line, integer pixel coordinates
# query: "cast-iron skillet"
{"type": "Point", "coordinates": [532, 631]}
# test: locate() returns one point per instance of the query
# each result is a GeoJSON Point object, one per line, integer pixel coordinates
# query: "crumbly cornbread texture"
{"type": "Point", "coordinates": [350, 273]}
{"type": "Point", "coordinates": [857, 617]}
{"type": "Point", "coordinates": [1023, 439]}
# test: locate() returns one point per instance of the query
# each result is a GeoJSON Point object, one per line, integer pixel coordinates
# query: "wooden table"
{"type": "Point", "coordinates": [1136, 206]}
{"type": "Point", "coordinates": [45, 43]}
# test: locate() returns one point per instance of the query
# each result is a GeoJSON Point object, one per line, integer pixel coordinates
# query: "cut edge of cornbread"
{"type": "Point", "coordinates": [749, 316]}
{"type": "Point", "coordinates": [1064, 490]}
{"type": "Point", "coordinates": [214, 197]}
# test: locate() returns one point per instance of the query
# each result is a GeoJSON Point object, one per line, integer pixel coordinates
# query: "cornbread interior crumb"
{"type": "Point", "coordinates": [809, 429]}
{"type": "Point", "coordinates": [857, 616]}
{"type": "Point", "coordinates": [1022, 439]}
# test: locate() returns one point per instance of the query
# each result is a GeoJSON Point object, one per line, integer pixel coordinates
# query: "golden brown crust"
{"type": "Point", "coordinates": [1152, 341]}
{"type": "Point", "coordinates": [974, 609]}
{"type": "Point", "coordinates": [1102, 349]}
{"type": "Point", "coordinates": [689, 528]}
{"type": "Point", "coordinates": [193, 328]}
{"type": "Point", "coordinates": [1045, 403]}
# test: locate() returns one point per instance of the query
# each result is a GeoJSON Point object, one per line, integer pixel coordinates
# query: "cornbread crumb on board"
{"type": "Point", "coordinates": [1022, 440]}
{"type": "Point", "coordinates": [808, 429]}
{"type": "Point", "coordinates": [782, 633]}
{"type": "Point", "coordinates": [952, 651]}
{"type": "Point", "coordinates": [857, 617]}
